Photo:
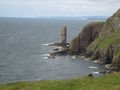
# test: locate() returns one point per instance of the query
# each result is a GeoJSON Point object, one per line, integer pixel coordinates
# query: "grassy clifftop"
{"type": "Point", "coordinates": [107, 82]}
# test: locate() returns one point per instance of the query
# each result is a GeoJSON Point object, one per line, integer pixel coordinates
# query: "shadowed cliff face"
{"type": "Point", "coordinates": [103, 40]}
{"type": "Point", "coordinates": [88, 34]}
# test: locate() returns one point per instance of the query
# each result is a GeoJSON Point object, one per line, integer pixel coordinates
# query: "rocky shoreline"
{"type": "Point", "coordinates": [98, 41]}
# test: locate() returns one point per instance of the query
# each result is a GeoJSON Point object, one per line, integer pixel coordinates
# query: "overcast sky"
{"type": "Point", "coordinates": [38, 8]}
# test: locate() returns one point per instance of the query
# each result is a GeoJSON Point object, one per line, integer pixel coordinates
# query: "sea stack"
{"type": "Point", "coordinates": [64, 36]}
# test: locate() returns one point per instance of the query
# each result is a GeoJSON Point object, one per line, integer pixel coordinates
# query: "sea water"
{"type": "Point", "coordinates": [22, 47]}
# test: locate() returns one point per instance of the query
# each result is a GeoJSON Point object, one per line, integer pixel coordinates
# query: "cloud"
{"type": "Point", "coordinates": [35, 8]}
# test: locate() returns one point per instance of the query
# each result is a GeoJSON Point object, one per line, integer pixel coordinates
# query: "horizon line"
{"type": "Point", "coordinates": [54, 16]}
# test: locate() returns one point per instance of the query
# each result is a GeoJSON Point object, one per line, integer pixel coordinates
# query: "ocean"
{"type": "Point", "coordinates": [22, 49]}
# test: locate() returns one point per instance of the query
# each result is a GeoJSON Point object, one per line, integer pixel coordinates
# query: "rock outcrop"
{"type": "Point", "coordinates": [89, 33]}
{"type": "Point", "coordinates": [102, 40]}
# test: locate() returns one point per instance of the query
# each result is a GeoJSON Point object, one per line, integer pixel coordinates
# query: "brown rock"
{"type": "Point", "coordinates": [89, 33]}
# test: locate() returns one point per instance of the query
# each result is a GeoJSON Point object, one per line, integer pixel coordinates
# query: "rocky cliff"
{"type": "Point", "coordinates": [89, 33]}
{"type": "Point", "coordinates": [101, 39]}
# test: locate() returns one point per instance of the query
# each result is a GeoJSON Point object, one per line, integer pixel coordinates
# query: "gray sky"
{"type": "Point", "coordinates": [37, 8]}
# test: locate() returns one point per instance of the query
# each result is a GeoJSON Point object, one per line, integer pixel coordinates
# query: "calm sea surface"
{"type": "Point", "coordinates": [21, 50]}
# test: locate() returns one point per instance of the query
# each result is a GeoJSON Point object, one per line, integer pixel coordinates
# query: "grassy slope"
{"type": "Point", "coordinates": [107, 82]}
{"type": "Point", "coordinates": [104, 41]}
{"type": "Point", "coordinates": [110, 35]}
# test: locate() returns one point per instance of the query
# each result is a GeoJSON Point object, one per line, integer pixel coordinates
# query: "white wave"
{"type": "Point", "coordinates": [60, 47]}
{"type": "Point", "coordinates": [95, 61]}
{"type": "Point", "coordinates": [96, 72]}
{"type": "Point", "coordinates": [45, 55]}
{"type": "Point", "coordinates": [45, 44]}
{"type": "Point", "coordinates": [108, 66]}
{"type": "Point", "coordinates": [93, 67]}
{"type": "Point", "coordinates": [73, 57]}
{"type": "Point", "coordinates": [87, 59]}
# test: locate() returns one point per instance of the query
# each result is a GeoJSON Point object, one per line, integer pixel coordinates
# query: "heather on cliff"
{"type": "Point", "coordinates": [101, 39]}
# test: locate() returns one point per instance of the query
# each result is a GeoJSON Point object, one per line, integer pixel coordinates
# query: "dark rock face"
{"type": "Point", "coordinates": [89, 33]}
{"type": "Point", "coordinates": [105, 56]}
{"type": "Point", "coordinates": [75, 47]}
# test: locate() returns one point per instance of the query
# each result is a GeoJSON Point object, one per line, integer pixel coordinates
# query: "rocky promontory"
{"type": "Point", "coordinates": [89, 33]}
{"type": "Point", "coordinates": [100, 40]}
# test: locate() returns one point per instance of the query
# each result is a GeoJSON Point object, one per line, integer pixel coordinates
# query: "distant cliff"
{"type": "Point", "coordinates": [100, 40]}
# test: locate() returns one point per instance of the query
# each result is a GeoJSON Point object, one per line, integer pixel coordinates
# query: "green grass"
{"type": "Point", "coordinates": [107, 82]}
{"type": "Point", "coordinates": [104, 41]}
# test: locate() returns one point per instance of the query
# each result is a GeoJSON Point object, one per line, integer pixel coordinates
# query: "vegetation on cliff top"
{"type": "Point", "coordinates": [107, 82]}
{"type": "Point", "coordinates": [104, 41]}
